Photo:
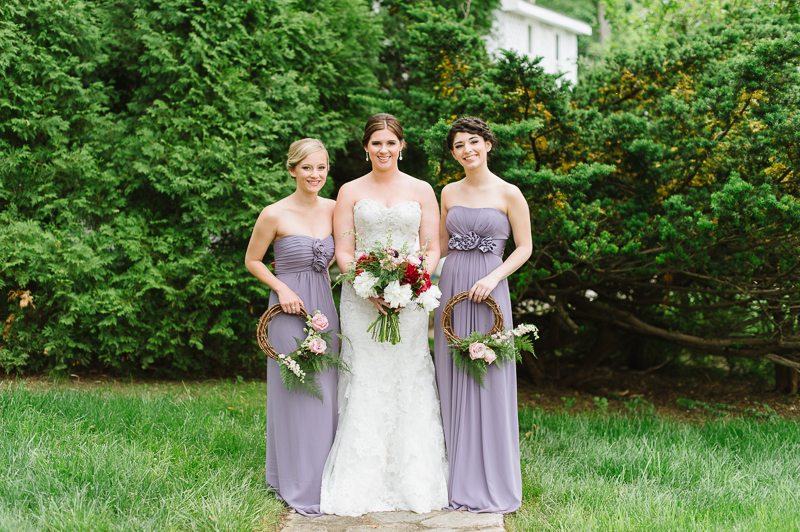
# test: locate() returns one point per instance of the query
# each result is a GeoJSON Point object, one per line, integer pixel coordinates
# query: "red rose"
{"type": "Point", "coordinates": [411, 275]}
{"type": "Point", "coordinates": [363, 261]}
{"type": "Point", "coordinates": [427, 279]}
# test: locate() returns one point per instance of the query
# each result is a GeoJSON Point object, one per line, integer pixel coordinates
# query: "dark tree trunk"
{"type": "Point", "coordinates": [534, 369]}
{"type": "Point", "coordinates": [787, 380]}
{"type": "Point", "coordinates": [605, 344]}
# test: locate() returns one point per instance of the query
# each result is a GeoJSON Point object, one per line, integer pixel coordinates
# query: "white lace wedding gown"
{"type": "Point", "coordinates": [388, 454]}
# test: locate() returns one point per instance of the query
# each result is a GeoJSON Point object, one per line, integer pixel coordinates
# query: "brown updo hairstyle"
{"type": "Point", "coordinates": [381, 121]}
{"type": "Point", "coordinates": [300, 149]}
{"type": "Point", "coordinates": [473, 125]}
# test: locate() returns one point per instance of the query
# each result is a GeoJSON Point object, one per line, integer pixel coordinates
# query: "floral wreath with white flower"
{"type": "Point", "coordinates": [311, 356]}
{"type": "Point", "coordinates": [399, 276]}
{"type": "Point", "coordinates": [475, 353]}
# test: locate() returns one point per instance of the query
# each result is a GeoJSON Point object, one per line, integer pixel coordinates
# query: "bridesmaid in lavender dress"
{"type": "Point", "coordinates": [481, 429]}
{"type": "Point", "coordinates": [300, 428]}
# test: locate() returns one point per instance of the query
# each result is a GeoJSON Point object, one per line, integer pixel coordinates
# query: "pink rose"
{"type": "Point", "coordinates": [490, 356]}
{"type": "Point", "coordinates": [477, 350]}
{"type": "Point", "coordinates": [317, 345]}
{"type": "Point", "coordinates": [319, 322]}
{"type": "Point", "coordinates": [414, 261]}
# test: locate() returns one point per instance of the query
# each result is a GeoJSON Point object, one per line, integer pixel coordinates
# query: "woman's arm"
{"type": "Point", "coordinates": [519, 216]}
{"type": "Point", "coordinates": [343, 223]}
{"type": "Point", "coordinates": [264, 233]}
{"type": "Point", "coordinates": [444, 237]}
{"type": "Point", "coordinates": [429, 226]}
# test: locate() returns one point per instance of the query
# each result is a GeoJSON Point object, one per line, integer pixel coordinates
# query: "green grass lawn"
{"type": "Point", "coordinates": [175, 457]}
{"type": "Point", "coordinates": [595, 472]}
{"type": "Point", "coordinates": [138, 457]}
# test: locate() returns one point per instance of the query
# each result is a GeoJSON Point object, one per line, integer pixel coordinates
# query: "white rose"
{"type": "Point", "coordinates": [364, 285]}
{"type": "Point", "coordinates": [429, 299]}
{"type": "Point", "coordinates": [398, 295]}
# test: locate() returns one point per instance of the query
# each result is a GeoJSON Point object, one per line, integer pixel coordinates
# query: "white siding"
{"type": "Point", "coordinates": [510, 31]}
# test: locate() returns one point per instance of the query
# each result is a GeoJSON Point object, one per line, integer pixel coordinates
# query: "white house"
{"type": "Point", "coordinates": [535, 31]}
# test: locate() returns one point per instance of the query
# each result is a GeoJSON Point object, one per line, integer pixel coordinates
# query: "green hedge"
{"type": "Point", "coordinates": [138, 142]}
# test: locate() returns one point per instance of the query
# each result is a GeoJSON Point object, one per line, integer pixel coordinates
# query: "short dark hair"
{"type": "Point", "coordinates": [470, 124]}
{"type": "Point", "coordinates": [381, 121]}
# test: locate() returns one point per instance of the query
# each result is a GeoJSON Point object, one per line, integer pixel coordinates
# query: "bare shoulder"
{"type": "Point", "coordinates": [348, 191]}
{"type": "Point", "coordinates": [419, 186]}
{"type": "Point", "coordinates": [510, 191]}
{"type": "Point", "coordinates": [273, 211]}
{"type": "Point", "coordinates": [450, 191]}
{"type": "Point", "coordinates": [514, 198]}
{"type": "Point", "coordinates": [328, 203]}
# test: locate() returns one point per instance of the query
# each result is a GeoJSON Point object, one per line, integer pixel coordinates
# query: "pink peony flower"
{"type": "Point", "coordinates": [490, 356]}
{"type": "Point", "coordinates": [477, 350]}
{"type": "Point", "coordinates": [319, 322]}
{"type": "Point", "coordinates": [317, 345]}
{"type": "Point", "coordinates": [411, 259]}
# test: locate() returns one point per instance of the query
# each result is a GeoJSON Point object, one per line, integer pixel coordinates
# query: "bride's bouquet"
{"type": "Point", "coordinates": [398, 276]}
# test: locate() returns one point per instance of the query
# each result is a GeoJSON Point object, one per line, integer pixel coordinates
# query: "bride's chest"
{"type": "Point", "coordinates": [373, 219]}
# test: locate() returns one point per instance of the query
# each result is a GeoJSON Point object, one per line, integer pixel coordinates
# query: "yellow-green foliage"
{"type": "Point", "coordinates": [666, 183]}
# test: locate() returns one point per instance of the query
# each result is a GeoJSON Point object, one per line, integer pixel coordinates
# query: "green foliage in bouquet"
{"type": "Point", "coordinates": [138, 142]}
{"type": "Point", "coordinates": [475, 353]}
{"type": "Point", "coordinates": [299, 368]}
{"type": "Point", "coordinates": [398, 275]}
{"type": "Point", "coordinates": [311, 366]}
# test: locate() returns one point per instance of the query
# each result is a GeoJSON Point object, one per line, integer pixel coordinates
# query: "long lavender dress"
{"type": "Point", "coordinates": [300, 428]}
{"type": "Point", "coordinates": [480, 425]}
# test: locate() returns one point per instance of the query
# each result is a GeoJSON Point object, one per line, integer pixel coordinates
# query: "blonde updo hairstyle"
{"type": "Point", "coordinates": [300, 149]}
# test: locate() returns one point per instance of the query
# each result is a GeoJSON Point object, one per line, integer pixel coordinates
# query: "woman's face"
{"type": "Point", "coordinates": [384, 148]}
{"type": "Point", "coordinates": [470, 150]}
{"type": "Point", "coordinates": [311, 172]}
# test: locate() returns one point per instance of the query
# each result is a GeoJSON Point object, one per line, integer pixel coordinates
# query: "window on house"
{"type": "Point", "coordinates": [556, 46]}
{"type": "Point", "coordinates": [530, 40]}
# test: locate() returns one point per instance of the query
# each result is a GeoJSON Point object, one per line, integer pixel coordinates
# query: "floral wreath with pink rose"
{"type": "Point", "coordinates": [299, 368]}
{"type": "Point", "coordinates": [475, 353]}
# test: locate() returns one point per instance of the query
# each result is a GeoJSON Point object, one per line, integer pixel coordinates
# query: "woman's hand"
{"type": "Point", "coordinates": [289, 302]}
{"type": "Point", "coordinates": [380, 303]}
{"type": "Point", "coordinates": [483, 288]}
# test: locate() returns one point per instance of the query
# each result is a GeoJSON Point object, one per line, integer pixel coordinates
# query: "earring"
{"type": "Point", "coordinates": [401, 156]}
{"type": "Point", "coordinates": [367, 154]}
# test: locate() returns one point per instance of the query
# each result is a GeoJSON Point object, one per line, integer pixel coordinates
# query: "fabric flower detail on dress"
{"type": "Point", "coordinates": [470, 241]}
{"type": "Point", "coordinates": [487, 244]}
{"type": "Point", "coordinates": [464, 242]}
{"type": "Point", "coordinates": [320, 262]}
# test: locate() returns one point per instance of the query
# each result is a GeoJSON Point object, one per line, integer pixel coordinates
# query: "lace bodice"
{"type": "Point", "coordinates": [373, 221]}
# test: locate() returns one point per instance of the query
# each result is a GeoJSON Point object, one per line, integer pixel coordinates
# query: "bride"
{"type": "Point", "coordinates": [388, 453]}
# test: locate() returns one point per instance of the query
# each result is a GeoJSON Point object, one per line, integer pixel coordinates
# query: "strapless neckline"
{"type": "Point", "coordinates": [305, 236]}
{"type": "Point", "coordinates": [385, 207]}
{"type": "Point", "coordinates": [477, 209]}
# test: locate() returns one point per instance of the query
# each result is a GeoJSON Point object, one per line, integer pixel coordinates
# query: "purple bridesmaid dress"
{"type": "Point", "coordinates": [481, 427]}
{"type": "Point", "coordinates": [300, 428]}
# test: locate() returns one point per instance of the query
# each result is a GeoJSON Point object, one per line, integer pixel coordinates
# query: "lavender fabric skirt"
{"type": "Point", "coordinates": [300, 429]}
{"type": "Point", "coordinates": [481, 426]}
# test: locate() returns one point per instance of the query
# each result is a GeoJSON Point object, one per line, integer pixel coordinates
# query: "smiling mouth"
{"type": "Point", "coordinates": [383, 159]}
{"type": "Point", "coordinates": [314, 183]}
{"type": "Point", "coordinates": [470, 157]}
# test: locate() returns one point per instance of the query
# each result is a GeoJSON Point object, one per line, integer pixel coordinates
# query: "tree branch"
{"type": "Point", "coordinates": [782, 361]}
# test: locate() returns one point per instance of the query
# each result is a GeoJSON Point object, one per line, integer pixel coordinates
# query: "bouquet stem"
{"type": "Point", "coordinates": [386, 328]}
